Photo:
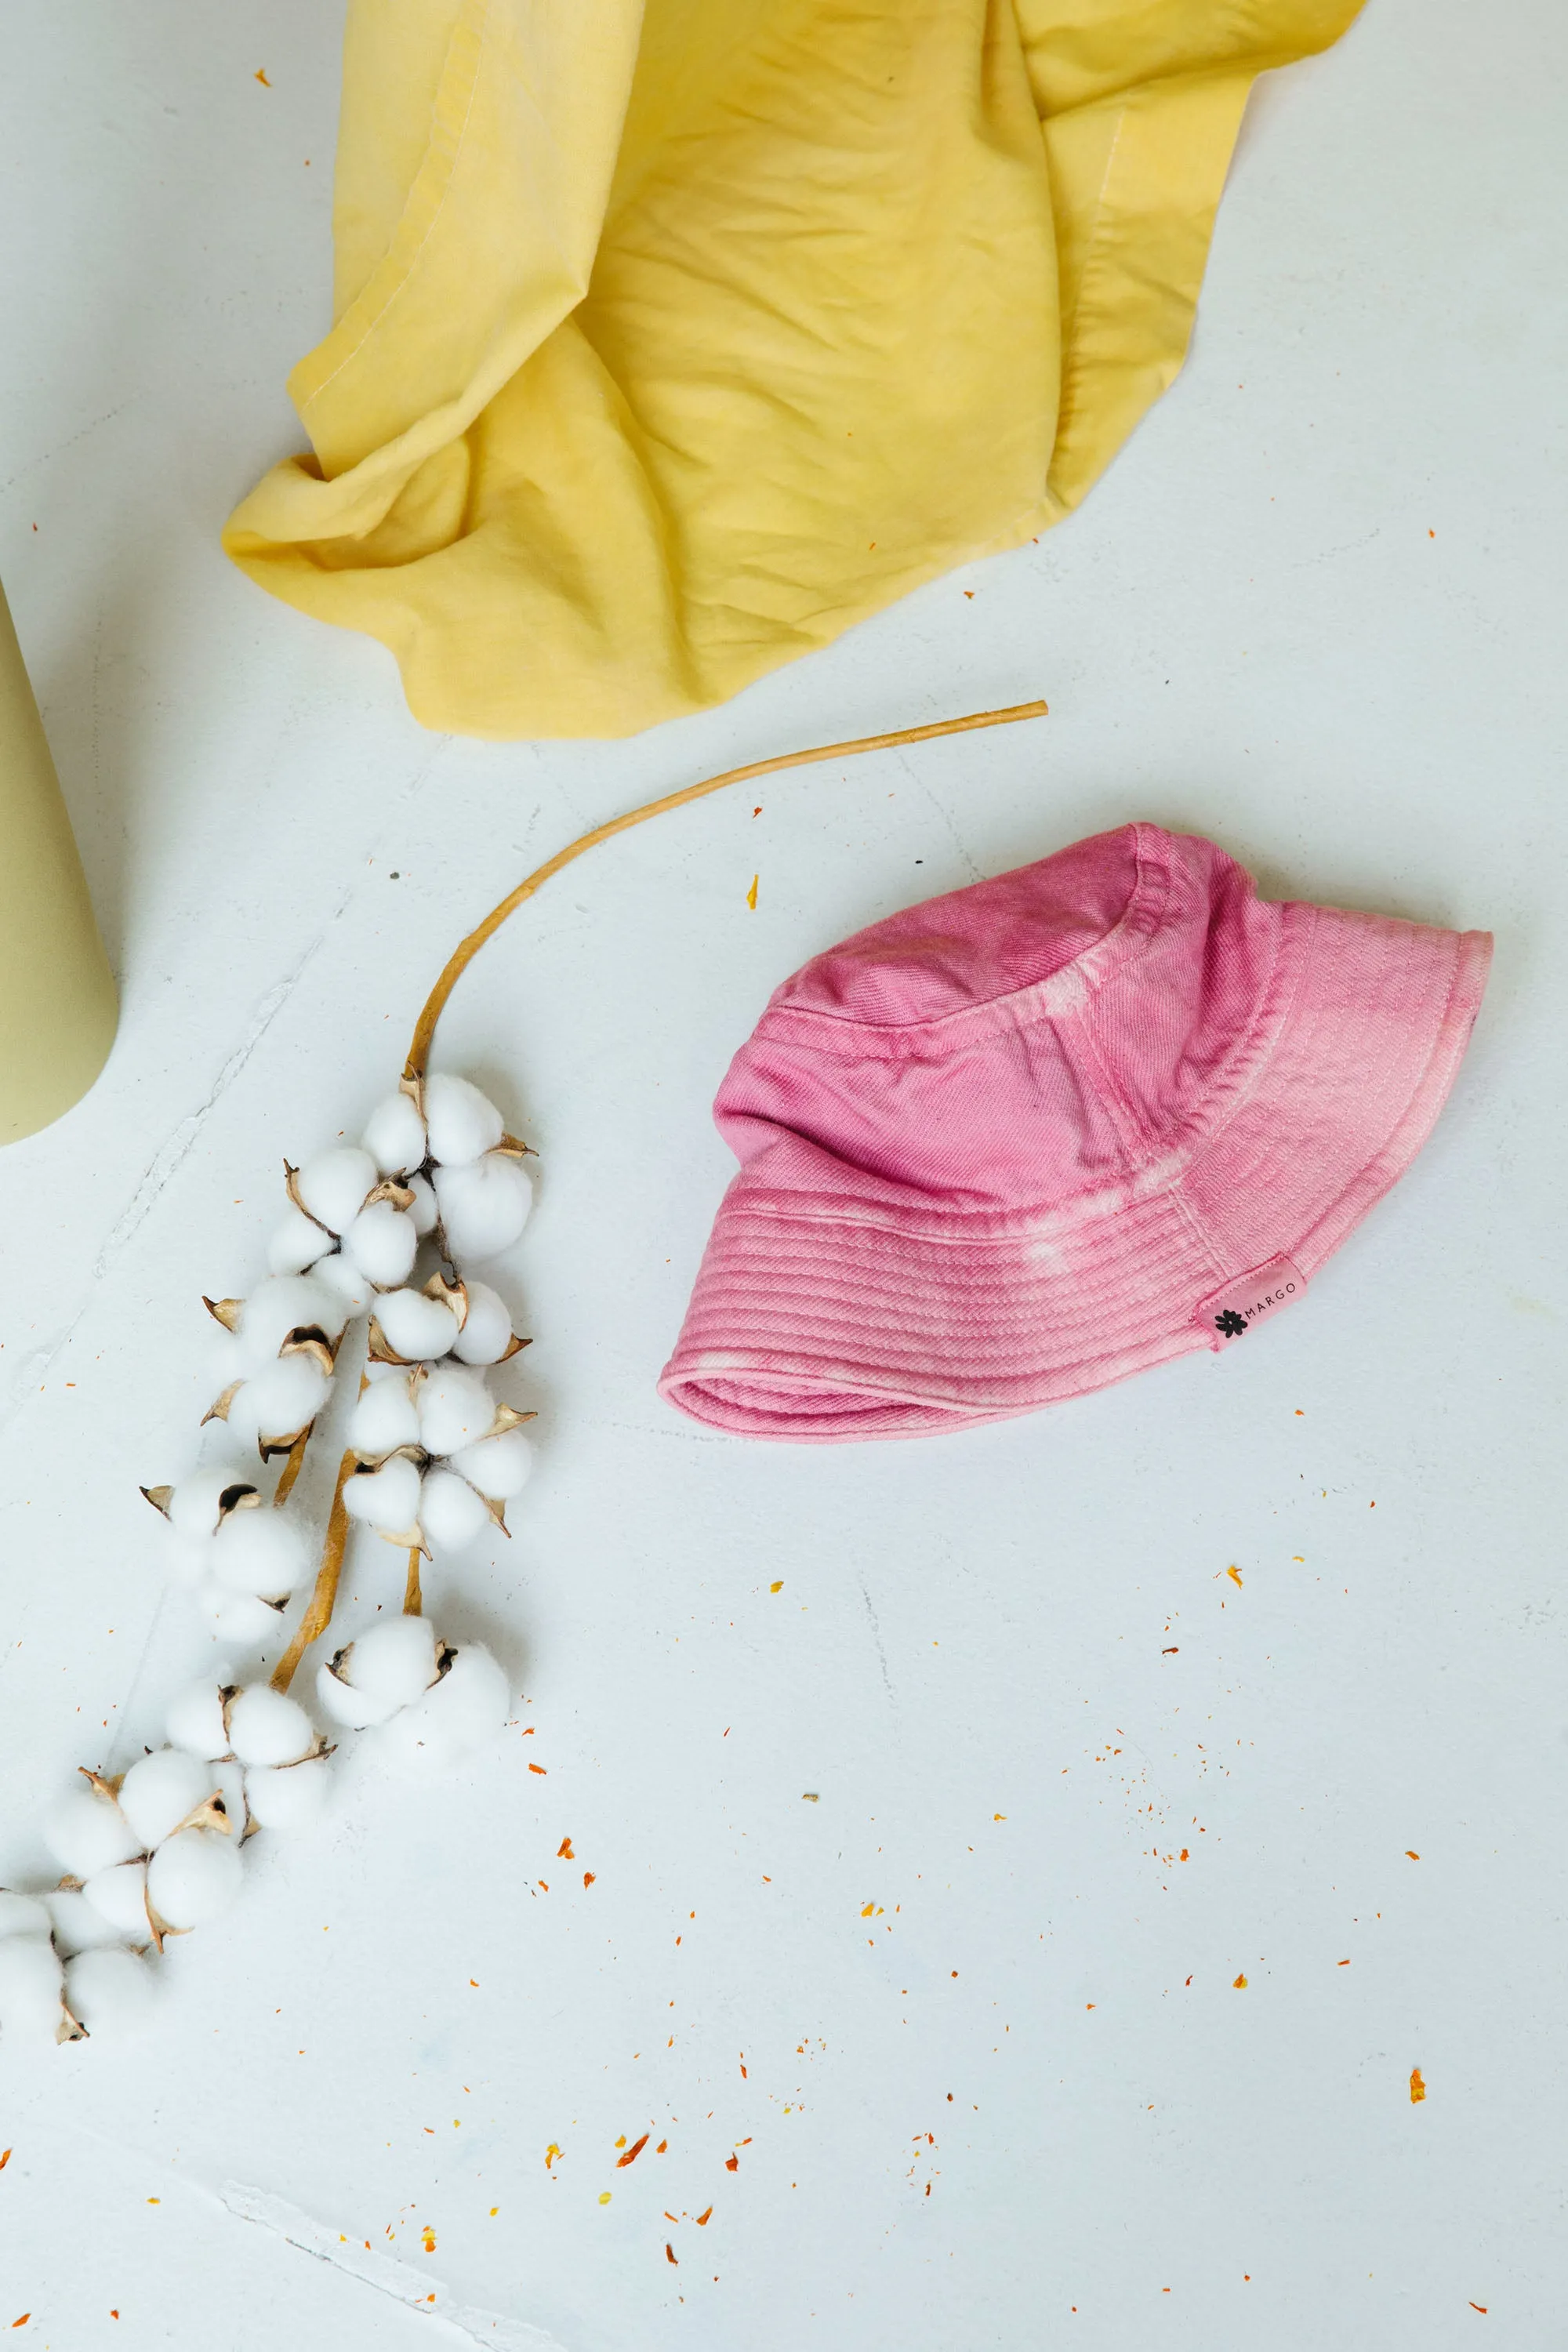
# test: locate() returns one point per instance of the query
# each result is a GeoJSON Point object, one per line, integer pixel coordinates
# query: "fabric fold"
{"type": "Point", "coordinates": [673, 341]}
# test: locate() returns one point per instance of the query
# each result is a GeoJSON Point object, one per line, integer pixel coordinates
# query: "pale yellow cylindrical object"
{"type": "Point", "coordinates": [58, 1001]}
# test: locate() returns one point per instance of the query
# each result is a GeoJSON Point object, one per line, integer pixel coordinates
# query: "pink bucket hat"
{"type": "Point", "coordinates": [1022, 1141]}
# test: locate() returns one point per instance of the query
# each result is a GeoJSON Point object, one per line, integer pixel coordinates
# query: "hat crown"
{"type": "Point", "coordinates": [1042, 1033]}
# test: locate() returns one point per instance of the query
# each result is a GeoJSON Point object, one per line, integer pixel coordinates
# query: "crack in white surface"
{"type": "Point", "coordinates": [922, 785]}
{"type": "Point", "coordinates": [877, 1637]}
{"type": "Point", "coordinates": [164, 1163]}
{"type": "Point", "coordinates": [383, 2273]}
{"type": "Point", "coordinates": [31, 1376]}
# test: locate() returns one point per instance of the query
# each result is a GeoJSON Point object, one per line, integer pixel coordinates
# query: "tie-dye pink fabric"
{"type": "Point", "coordinates": [1020, 1141]}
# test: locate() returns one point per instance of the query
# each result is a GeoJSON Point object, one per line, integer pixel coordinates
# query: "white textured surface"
{"type": "Point", "coordinates": [1315, 610]}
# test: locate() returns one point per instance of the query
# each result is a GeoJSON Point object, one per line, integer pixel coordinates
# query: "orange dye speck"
{"type": "Point", "coordinates": [732, 2164]}
{"type": "Point", "coordinates": [662, 2148]}
{"type": "Point", "coordinates": [540, 1768]}
{"type": "Point", "coordinates": [1183, 1855]}
{"type": "Point", "coordinates": [564, 1850]}
{"type": "Point", "coordinates": [1411, 1853]}
{"type": "Point", "coordinates": [1239, 1985]}
{"type": "Point", "coordinates": [704, 2218]}
{"type": "Point", "coordinates": [1475, 2307]}
{"type": "Point", "coordinates": [1417, 2087]}
{"type": "Point", "coordinates": [669, 2252]}
{"type": "Point", "coordinates": [1234, 1574]}
{"type": "Point", "coordinates": [632, 2153]}
{"type": "Point", "coordinates": [588, 1878]}
{"type": "Point", "coordinates": [261, 77]}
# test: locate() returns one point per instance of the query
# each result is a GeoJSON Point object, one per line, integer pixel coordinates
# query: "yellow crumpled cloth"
{"type": "Point", "coordinates": [672, 339]}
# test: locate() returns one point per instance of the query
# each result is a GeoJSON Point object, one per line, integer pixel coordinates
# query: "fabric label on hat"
{"type": "Point", "coordinates": [1228, 1315]}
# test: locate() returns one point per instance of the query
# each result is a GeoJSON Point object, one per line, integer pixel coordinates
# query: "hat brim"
{"type": "Point", "coordinates": [818, 1319]}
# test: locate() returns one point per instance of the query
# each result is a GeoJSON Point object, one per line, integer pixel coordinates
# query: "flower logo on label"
{"type": "Point", "coordinates": [1230, 1324]}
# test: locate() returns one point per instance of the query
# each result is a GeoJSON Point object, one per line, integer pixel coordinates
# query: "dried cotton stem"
{"type": "Point", "coordinates": [463, 956]}
{"type": "Point", "coordinates": [323, 1599]}
{"type": "Point", "coordinates": [291, 1469]}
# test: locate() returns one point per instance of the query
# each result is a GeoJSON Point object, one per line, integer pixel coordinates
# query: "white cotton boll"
{"type": "Point", "coordinates": [78, 1926]}
{"type": "Point", "coordinates": [487, 1334]}
{"type": "Point", "coordinates": [355, 1709]}
{"type": "Point", "coordinates": [241, 1617]}
{"type": "Point", "coordinates": [287, 1796]}
{"type": "Point", "coordinates": [281, 1398]}
{"type": "Point", "coordinates": [31, 1984]}
{"type": "Point", "coordinates": [384, 1418]}
{"type": "Point", "coordinates": [395, 1135]}
{"type": "Point", "coordinates": [161, 1789]}
{"type": "Point", "coordinates": [267, 1726]}
{"type": "Point", "coordinates": [333, 1184]}
{"type": "Point", "coordinates": [195, 1505]}
{"type": "Point", "coordinates": [354, 1290]}
{"type": "Point", "coordinates": [285, 1303]}
{"type": "Point", "coordinates": [382, 1243]}
{"type": "Point", "coordinates": [394, 1660]}
{"type": "Point", "coordinates": [456, 1408]}
{"type": "Point", "coordinates": [414, 1326]}
{"type": "Point", "coordinates": [462, 1123]}
{"type": "Point", "coordinates": [230, 1778]}
{"type": "Point", "coordinates": [424, 1212]}
{"type": "Point", "coordinates": [86, 1832]}
{"type": "Point", "coordinates": [121, 1894]}
{"type": "Point", "coordinates": [109, 1993]}
{"type": "Point", "coordinates": [450, 1512]}
{"type": "Point", "coordinates": [386, 1499]}
{"type": "Point", "coordinates": [295, 1244]}
{"type": "Point", "coordinates": [499, 1466]}
{"type": "Point", "coordinates": [25, 1915]}
{"type": "Point", "coordinates": [483, 1207]}
{"type": "Point", "coordinates": [261, 1551]}
{"type": "Point", "coordinates": [194, 1719]}
{"type": "Point", "coordinates": [193, 1876]}
{"type": "Point", "coordinates": [461, 1713]}
{"type": "Point", "coordinates": [188, 1558]}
